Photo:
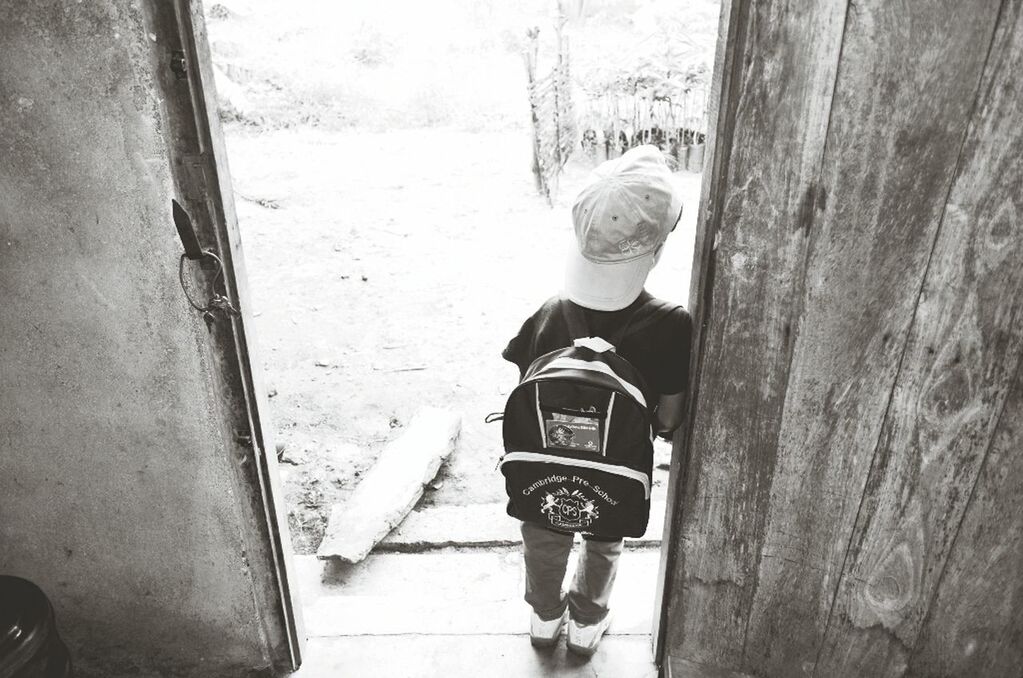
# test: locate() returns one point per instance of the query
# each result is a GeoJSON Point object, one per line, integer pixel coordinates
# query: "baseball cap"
{"type": "Point", "coordinates": [621, 218]}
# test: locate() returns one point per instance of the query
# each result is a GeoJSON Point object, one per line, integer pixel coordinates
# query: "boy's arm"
{"type": "Point", "coordinates": [671, 408]}
{"type": "Point", "coordinates": [669, 412]}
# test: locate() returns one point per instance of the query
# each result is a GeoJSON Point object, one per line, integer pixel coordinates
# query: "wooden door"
{"type": "Point", "coordinates": [850, 493]}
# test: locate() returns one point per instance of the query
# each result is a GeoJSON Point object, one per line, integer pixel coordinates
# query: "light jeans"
{"type": "Point", "coordinates": [546, 554]}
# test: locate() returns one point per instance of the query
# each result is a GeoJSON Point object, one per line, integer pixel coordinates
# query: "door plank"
{"type": "Point", "coordinates": [775, 122]}
{"type": "Point", "coordinates": [683, 668]}
{"type": "Point", "coordinates": [974, 627]}
{"type": "Point", "coordinates": [963, 351]}
{"type": "Point", "coordinates": [908, 77]}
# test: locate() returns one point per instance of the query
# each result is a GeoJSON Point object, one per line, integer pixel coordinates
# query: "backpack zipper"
{"type": "Point", "coordinates": [539, 414]}
{"type": "Point", "coordinates": [577, 413]}
{"type": "Point", "coordinates": [607, 421]}
{"type": "Point", "coordinates": [623, 471]}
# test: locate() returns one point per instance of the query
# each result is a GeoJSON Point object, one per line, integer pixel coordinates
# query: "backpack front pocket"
{"type": "Point", "coordinates": [573, 431]}
{"type": "Point", "coordinates": [578, 495]}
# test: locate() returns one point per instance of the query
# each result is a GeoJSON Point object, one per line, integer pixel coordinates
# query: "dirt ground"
{"type": "Point", "coordinates": [393, 238]}
{"type": "Point", "coordinates": [387, 271]}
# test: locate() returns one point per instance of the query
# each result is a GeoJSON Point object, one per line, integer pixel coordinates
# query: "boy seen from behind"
{"type": "Point", "coordinates": [622, 219]}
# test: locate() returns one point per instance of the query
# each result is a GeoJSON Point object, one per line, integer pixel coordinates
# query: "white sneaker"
{"type": "Point", "coordinates": [584, 639]}
{"type": "Point", "coordinates": [545, 633]}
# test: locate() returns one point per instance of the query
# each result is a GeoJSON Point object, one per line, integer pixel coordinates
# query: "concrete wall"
{"type": "Point", "coordinates": [119, 488]}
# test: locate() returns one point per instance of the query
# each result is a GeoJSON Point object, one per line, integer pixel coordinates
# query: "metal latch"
{"type": "Point", "coordinates": [195, 252]}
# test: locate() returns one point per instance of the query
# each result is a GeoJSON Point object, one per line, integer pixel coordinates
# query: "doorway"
{"type": "Point", "coordinates": [395, 239]}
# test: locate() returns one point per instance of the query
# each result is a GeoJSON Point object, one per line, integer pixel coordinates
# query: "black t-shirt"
{"type": "Point", "coordinates": [659, 349]}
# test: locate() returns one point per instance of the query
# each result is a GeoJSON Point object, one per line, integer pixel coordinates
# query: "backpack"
{"type": "Point", "coordinates": [578, 434]}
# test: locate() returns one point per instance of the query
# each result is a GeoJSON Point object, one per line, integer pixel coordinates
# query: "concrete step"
{"type": "Point", "coordinates": [500, 656]}
{"type": "Point", "coordinates": [450, 592]}
{"type": "Point", "coordinates": [480, 525]}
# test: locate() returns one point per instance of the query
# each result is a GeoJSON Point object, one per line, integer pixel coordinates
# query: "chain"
{"type": "Point", "coordinates": [217, 301]}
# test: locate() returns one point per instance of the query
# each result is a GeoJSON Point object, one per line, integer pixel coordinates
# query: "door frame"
{"type": "Point", "coordinates": [202, 184]}
{"type": "Point", "coordinates": [199, 166]}
{"type": "Point", "coordinates": [721, 115]}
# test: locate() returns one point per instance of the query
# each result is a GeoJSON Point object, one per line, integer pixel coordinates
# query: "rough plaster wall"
{"type": "Point", "coordinates": [115, 483]}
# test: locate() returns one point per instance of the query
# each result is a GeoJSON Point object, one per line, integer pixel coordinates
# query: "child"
{"type": "Point", "coordinates": [622, 219]}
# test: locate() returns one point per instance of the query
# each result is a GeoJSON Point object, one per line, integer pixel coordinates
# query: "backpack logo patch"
{"type": "Point", "coordinates": [569, 510]}
{"type": "Point", "coordinates": [561, 435]}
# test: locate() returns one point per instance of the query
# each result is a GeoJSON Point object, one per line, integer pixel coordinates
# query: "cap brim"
{"type": "Point", "coordinates": [605, 287]}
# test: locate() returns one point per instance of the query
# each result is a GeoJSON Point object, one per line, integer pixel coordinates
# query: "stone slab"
{"type": "Point", "coordinates": [392, 486]}
{"type": "Point", "coordinates": [450, 593]}
{"type": "Point", "coordinates": [440, 656]}
{"type": "Point", "coordinates": [481, 525]}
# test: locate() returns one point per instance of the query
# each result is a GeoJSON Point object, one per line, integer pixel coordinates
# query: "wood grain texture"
{"type": "Point", "coordinates": [908, 77]}
{"type": "Point", "coordinates": [974, 627]}
{"type": "Point", "coordinates": [682, 668]}
{"type": "Point", "coordinates": [775, 103]}
{"type": "Point", "coordinates": [962, 353]}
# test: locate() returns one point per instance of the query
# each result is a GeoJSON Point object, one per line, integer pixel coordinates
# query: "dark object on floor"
{"type": "Point", "coordinates": [29, 644]}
